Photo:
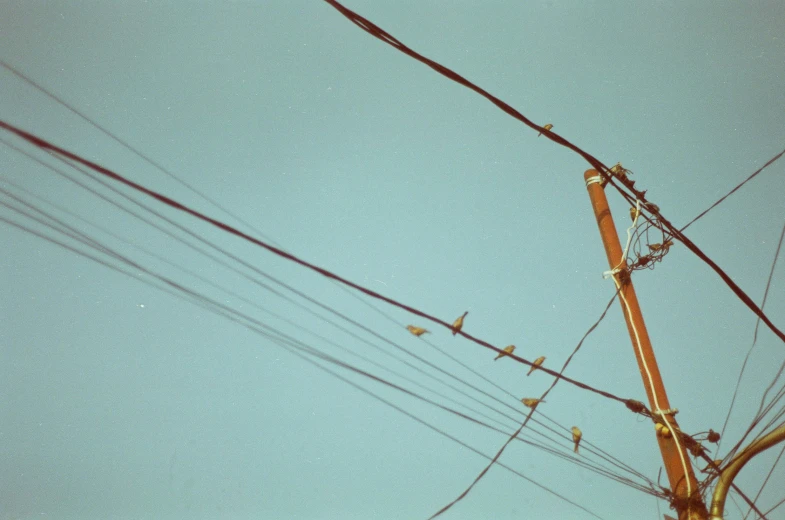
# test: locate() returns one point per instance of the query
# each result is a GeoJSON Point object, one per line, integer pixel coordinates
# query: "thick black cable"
{"type": "Point", "coordinates": [601, 169]}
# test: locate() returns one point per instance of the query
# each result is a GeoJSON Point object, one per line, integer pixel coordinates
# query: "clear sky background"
{"type": "Point", "coordinates": [118, 400]}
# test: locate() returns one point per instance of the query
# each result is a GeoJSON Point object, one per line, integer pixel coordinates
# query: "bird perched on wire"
{"type": "Point", "coordinates": [620, 171]}
{"type": "Point", "coordinates": [417, 331]}
{"type": "Point", "coordinates": [576, 437]}
{"type": "Point", "coordinates": [506, 350]}
{"type": "Point", "coordinates": [634, 213]}
{"type": "Point", "coordinates": [546, 127]}
{"type": "Point", "coordinates": [458, 324]}
{"type": "Point", "coordinates": [531, 402]}
{"type": "Point", "coordinates": [537, 362]}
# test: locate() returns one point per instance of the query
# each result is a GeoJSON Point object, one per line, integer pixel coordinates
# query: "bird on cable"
{"type": "Point", "coordinates": [537, 362]}
{"type": "Point", "coordinates": [620, 171]}
{"type": "Point", "coordinates": [531, 402]}
{"type": "Point", "coordinates": [546, 127]}
{"type": "Point", "coordinates": [713, 436]}
{"type": "Point", "coordinates": [417, 331]}
{"type": "Point", "coordinates": [634, 213]}
{"type": "Point", "coordinates": [506, 350]}
{"type": "Point", "coordinates": [458, 324]}
{"type": "Point", "coordinates": [576, 437]}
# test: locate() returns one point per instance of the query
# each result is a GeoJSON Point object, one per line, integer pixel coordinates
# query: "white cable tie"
{"type": "Point", "coordinates": [612, 272]}
{"type": "Point", "coordinates": [669, 411]}
{"type": "Point", "coordinates": [597, 179]}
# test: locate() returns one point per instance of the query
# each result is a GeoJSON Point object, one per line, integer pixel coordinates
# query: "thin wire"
{"type": "Point", "coordinates": [731, 192]}
{"type": "Point", "coordinates": [778, 504]}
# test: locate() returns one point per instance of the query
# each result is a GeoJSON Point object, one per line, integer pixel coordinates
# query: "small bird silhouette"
{"type": "Point", "coordinates": [546, 127]}
{"type": "Point", "coordinates": [634, 213]}
{"type": "Point", "coordinates": [537, 362]}
{"type": "Point", "coordinates": [576, 437]}
{"type": "Point", "coordinates": [531, 402]}
{"type": "Point", "coordinates": [417, 331]}
{"type": "Point", "coordinates": [458, 324]}
{"type": "Point", "coordinates": [713, 436]}
{"type": "Point", "coordinates": [506, 350]}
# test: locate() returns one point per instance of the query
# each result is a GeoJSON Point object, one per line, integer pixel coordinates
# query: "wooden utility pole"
{"type": "Point", "coordinates": [684, 486]}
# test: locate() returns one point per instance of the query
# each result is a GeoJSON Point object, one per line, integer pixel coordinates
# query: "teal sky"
{"type": "Point", "coordinates": [118, 400]}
